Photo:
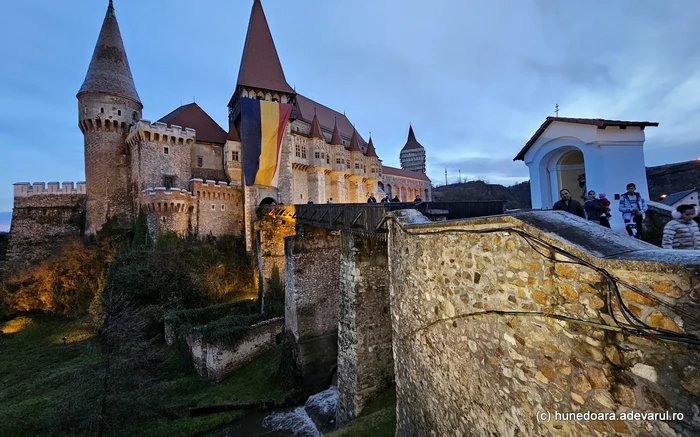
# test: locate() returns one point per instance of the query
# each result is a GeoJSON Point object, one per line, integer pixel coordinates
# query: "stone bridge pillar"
{"type": "Point", "coordinates": [365, 358]}
{"type": "Point", "coordinates": [312, 302]}
{"type": "Point", "coordinates": [271, 229]}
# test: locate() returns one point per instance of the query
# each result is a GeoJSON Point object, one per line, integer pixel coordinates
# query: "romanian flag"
{"type": "Point", "coordinates": [263, 125]}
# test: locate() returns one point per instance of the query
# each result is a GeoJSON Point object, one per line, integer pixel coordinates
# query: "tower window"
{"type": "Point", "coordinates": [200, 161]}
{"type": "Point", "coordinates": [168, 182]}
{"type": "Point", "coordinates": [133, 115]}
{"type": "Point", "coordinates": [223, 207]}
{"type": "Point", "coordinates": [119, 112]}
{"type": "Point", "coordinates": [234, 155]}
{"type": "Point", "coordinates": [165, 150]}
{"type": "Point", "coordinates": [102, 110]}
{"type": "Point", "coordinates": [337, 161]}
{"type": "Point", "coordinates": [213, 207]}
{"type": "Point", "coordinates": [317, 155]}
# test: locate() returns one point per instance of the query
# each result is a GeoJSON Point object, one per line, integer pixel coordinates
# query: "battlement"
{"type": "Point", "coordinates": [211, 184]}
{"type": "Point", "coordinates": [164, 200]}
{"type": "Point", "coordinates": [144, 130]}
{"type": "Point", "coordinates": [26, 189]}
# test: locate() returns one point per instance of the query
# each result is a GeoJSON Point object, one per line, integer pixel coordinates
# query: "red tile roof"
{"type": "Point", "coordinates": [194, 117]}
{"type": "Point", "coordinates": [260, 64]}
{"type": "Point", "coordinates": [408, 174]}
{"type": "Point", "coordinates": [599, 122]}
{"type": "Point", "coordinates": [370, 149]}
{"type": "Point", "coordinates": [316, 128]}
{"type": "Point", "coordinates": [411, 142]}
{"type": "Point", "coordinates": [109, 70]}
{"type": "Point", "coordinates": [233, 133]}
{"type": "Point", "coordinates": [305, 108]}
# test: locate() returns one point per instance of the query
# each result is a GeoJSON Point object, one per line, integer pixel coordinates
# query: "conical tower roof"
{"type": "Point", "coordinates": [316, 128]}
{"type": "Point", "coordinates": [260, 65]}
{"type": "Point", "coordinates": [109, 70]}
{"type": "Point", "coordinates": [336, 139]}
{"type": "Point", "coordinates": [411, 143]}
{"type": "Point", "coordinates": [355, 142]}
{"type": "Point", "coordinates": [370, 149]}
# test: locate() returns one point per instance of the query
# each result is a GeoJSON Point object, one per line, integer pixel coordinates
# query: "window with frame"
{"type": "Point", "coordinates": [357, 166]}
{"type": "Point", "coordinates": [347, 164]}
{"type": "Point", "coordinates": [168, 182]}
{"type": "Point", "coordinates": [337, 161]}
{"type": "Point", "coordinates": [166, 151]}
{"type": "Point", "coordinates": [200, 161]}
{"type": "Point", "coordinates": [328, 159]}
{"type": "Point", "coordinates": [297, 151]}
{"type": "Point", "coordinates": [317, 155]}
{"type": "Point", "coordinates": [303, 152]}
{"type": "Point", "coordinates": [234, 155]}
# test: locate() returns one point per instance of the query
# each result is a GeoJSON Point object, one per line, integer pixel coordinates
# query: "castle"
{"type": "Point", "coordinates": [188, 175]}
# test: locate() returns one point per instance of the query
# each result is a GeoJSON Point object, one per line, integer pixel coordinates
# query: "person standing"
{"type": "Point", "coordinates": [568, 204]}
{"type": "Point", "coordinates": [595, 210]}
{"type": "Point", "coordinates": [633, 206]}
{"type": "Point", "coordinates": [682, 232]}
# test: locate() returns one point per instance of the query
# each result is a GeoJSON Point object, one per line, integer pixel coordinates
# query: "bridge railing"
{"type": "Point", "coordinates": [367, 218]}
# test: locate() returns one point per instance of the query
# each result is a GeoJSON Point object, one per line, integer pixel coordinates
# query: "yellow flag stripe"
{"type": "Point", "coordinates": [269, 125]}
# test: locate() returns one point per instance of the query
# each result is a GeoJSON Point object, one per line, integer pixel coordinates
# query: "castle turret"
{"type": "Point", "coordinates": [413, 154]}
{"type": "Point", "coordinates": [108, 105]}
{"type": "Point", "coordinates": [357, 171]}
{"type": "Point", "coordinates": [321, 161]}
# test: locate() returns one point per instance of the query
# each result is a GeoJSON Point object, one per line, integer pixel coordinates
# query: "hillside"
{"type": "Point", "coordinates": [662, 179]}
{"type": "Point", "coordinates": [671, 178]}
{"type": "Point", "coordinates": [516, 196]}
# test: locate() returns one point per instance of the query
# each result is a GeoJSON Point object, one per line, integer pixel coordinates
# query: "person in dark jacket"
{"type": "Point", "coordinates": [595, 210]}
{"type": "Point", "coordinates": [568, 204]}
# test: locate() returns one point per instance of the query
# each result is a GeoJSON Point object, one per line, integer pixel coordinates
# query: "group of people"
{"type": "Point", "coordinates": [683, 232]}
{"type": "Point", "coordinates": [387, 199]}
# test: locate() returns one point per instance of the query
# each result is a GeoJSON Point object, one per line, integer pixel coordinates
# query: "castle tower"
{"type": "Point", "coordinates": [232, 152]}
{"type": "Point", "coordinates": [413, 154]}
{"type": "Point", "coordinates": [373, 169]}
{"type": "Point", "coordinates": [108, 105]}
{"type": "Point", "coordinates": [356, 192]}
{"type": "Point", "coordinates": [320, 162]}
{"type": "Point", "coordinates": [340, 169]}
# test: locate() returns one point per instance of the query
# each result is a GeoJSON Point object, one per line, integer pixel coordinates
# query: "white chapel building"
{"type": "Point", "coordinates": [582, 154]}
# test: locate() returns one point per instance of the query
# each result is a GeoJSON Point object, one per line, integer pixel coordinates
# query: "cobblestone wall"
{"type": "Point", "coordinates": [490, 331]}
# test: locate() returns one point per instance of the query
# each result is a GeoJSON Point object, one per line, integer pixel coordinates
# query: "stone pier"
{"type": "Point", "coordinates": [365, 359]}
{"type": "Point", "coordinates": [312, 302]}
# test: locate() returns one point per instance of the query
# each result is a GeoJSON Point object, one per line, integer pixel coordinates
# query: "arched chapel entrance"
{"type": "Point", "coordinates": [566, 168]}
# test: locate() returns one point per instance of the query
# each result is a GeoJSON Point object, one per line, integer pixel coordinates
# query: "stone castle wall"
{"type": "Point", "coordinates": [219, 208]}
{"type": "Point", "coordinates": [169, 211]}
{"type": "Point", "coordinates": [212, 161]}
{"type": "Point", "coordinates": [105, 121]}
{"type": "Point", "coordinates": [42, 217]}
{"type": "Point", "coordinates": [493, 337]}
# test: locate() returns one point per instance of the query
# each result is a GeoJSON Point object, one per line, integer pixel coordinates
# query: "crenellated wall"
{"type": "Point", "coordinates": [499, 324]}
{"type": "Point", "coordinates": [43, 215]}
{"type": "Point", "coordinates": [169, 211]}
{"type": "Point", "coordinates": [219, 208]}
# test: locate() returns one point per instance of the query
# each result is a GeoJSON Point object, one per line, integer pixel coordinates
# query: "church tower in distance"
{"type": "Point", "coordinates": [108, 105]}
{"type": "Point", "coordinates": [413, 154]}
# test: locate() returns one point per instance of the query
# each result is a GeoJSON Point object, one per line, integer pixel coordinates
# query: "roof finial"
{"type": "Point", "coordinates": [110, 4]}
{"type": "Point", "coordinates": [314, 109]}
{"type": "Point", "coordinates": [556, 110]}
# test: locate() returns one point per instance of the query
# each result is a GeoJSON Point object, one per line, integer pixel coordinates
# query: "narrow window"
{"type": "Point", "coordinates": [168, 182]}
{"type": "Point", "coordinates": [102, 110]}
{"type": "Point", "coordinates": [213, 207]}
{"type": "Point", "coordinates": [200, 161]}
{"type": "Point", "coordinates": [317, 155]}
{"type": "Point", "coordinates": [337, 161]}
{"type": "Point", "coordinates": [165, 150]}
{"type": "Point", "coordinates": [297, 151]}
{"type": "Point", "coordinates": [357, 166]}
{"type": "Point", "coordinates": [328, 159]}
{"type": "Point", "coordinates": [119, 112]}
{"type": "Point", "coordinates": [133, 115]}
{"type": "Point", "coordinates": [234, 155]}
{"type": "Point", "coordinates": [223, 207]}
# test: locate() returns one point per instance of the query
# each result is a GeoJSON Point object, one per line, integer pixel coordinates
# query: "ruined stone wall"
{"type": "Point", "coordinates": [219, 208]}
{"type": "Point", "coordinates": [365, 360]}
{"type": "Point", "coordinates": [492, 337]}
{"type": "Point", "coordinates": [212, 161]}
{"type": "Point", "coordinates": [270, 233]}
{"type": "Point", "coordinates": [39, 224]}
{"type": "Point", "coordinates": [217, 361]}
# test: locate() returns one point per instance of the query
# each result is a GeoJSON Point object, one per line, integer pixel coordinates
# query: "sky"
{"type": "Point", "coordinates": [474, 78]}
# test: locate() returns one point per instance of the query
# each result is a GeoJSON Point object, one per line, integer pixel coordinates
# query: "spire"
{"type": "Point", "coordinates": [232, 133]}
{"type": "Point", "coordinates": [109, 70]}
{"type": "Point", "coordinates": [316, 128]}
{"type": "Point", "coordinates": [355, 142]}
{"type": "Point", "coordinates": [260, 65]}
{"type": "Point", "coordinates": [411, 143]}
{"type": "Point", "coordinates": [370, 149]}
{"type": "Point", "coordinates": [335, 138]}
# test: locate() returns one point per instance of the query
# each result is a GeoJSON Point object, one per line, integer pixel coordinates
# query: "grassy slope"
{"type": "Point", "coordinates": [48, 388]}
{"type": "Point", "coordinates": [378, 419]}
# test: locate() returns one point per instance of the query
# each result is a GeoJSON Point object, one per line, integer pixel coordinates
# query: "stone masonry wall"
{"type": "Point", "coordinates": [312, 303]}
{"type": "Point", "coordinates": [219, 208]}
{"type": "Point", "coordinates": [39, 223]}
{"type": "Point", "coordinates": [271, 231]}
{"type": "Point", "coordinates": [365, 360]}
{"type": "Point", "coordinates": [217, 361]}
{"type": "Point", "coordinates": [494, 338]}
